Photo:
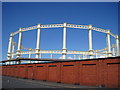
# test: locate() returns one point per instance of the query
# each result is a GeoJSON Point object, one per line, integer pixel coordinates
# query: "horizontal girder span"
{"type": "Point", "coordinates": [98, 29]}
{"type": "Point", "coordinates": [58, 52]}
{"type": "Point", "coordinates": [113, 35]}
{"type": "Point", "coordinates": [62, 25]}
{"type": "Point", "coordinates": [15, 33]}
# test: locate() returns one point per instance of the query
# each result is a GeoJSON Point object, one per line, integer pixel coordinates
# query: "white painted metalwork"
{"type": "Point", "coordinates": [10, 46]}
{"type": "Point", "coordinates": [29, 28]}
{"type": "Point", "coordinates": [38, 41]}
{"type": "Point", "coordinates": [108, 43]}
{"type": "Point", "coordinates": [13, 48]}
{"type": "Point", "coordinates": [19, 43]}
{"type": "Point", "coordinates": [60, 52]}
{"type": "Point", "coordinates": [105, 52]}
{"type": "Point", "coordinates": [40, 55]}
{"type": "Point", "coordinates": [15, 33]}
{"type": "Point", "coordinates": [27, 48]}
{"type": "Point", "coordinates": [74, 56]}
{"type": "Point", "coordinates": [113, 50]}
{"type": "Point", "coordinates": [90, 41]}
{"type": "Point", "coordinates": [51, 56]}
{"type": "Point", "coordinates": [30, 53]}
{"type": "Point", "coordinates": [20, 39]}
{"type": "Point", "coordinates": [79, 57]}
{"type": "Point", "coordinates": [98, 29]}
{"type": "Point", "coordinates": [117, 45]}
{"type": "Point", "coordinates": [64, 41]}
{"type": "Point", "coordinates": [113, 35]}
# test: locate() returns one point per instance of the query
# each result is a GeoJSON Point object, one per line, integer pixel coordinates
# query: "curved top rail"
{"type": "Point", "coordinates": [113, 35]}
{"type": "Point", "coordinates": [99, 29]}
{"type": "Point", "coordinates": [15, 33]}
{"type": "Point", "coordinates": [29, 28]}
{"type": "Point", "coordinates": [62, 25]}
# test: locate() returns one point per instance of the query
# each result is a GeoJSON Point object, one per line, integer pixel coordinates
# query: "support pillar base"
{"type": "Point", "coordinates": [109, 54]}
{"type": "Point", "coordinates": [9, 56]}
{"type": "Point", "coordinates": [63, 56]}
{"type": "Point", "coordinates": [64, 50]}
{"type": "Point", "coordinates": [37, 53]}
{"type": "Point", "coordinates": [91, 54]}
{"type": "Point", "coordinates": [18, 53]}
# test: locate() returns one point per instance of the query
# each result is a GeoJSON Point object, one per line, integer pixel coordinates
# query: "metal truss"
{"type": "Point", "coordinates": [64, 51]}
{"type": "Point", "coordinates": [61, 25]}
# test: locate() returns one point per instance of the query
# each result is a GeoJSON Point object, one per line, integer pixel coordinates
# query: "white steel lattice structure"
{"type": "Point", "coordinates": [109, 51]}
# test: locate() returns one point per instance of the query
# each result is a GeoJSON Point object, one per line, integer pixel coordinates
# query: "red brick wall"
{"type": "Point", "coordinates": [40, 72]}
{"type": "Point", "coordinates": [101, 72]}
{"type": "Point", "coordinates": [111, 76]}
{"type": "Point", "coordinates": [97, 72]}
{"type": "Point", "coordinates": [16, 73]}
{"type": "Point", "coordinates": [12, 70]}
{"type": "Point", "coordinates": [88, 73]}
{"type": "Point", "coordinates": [8, 70]}
{"type": "Point", "coordinates": [69, 72]}
{"type": "Point", "coordinates": [22, 71]}
{"type": "Point", "coordinates": [3, 70]}
{"type": "Point", "coordinates": [30, 71]}
{"type": "Point", "coordinates": [53, 72]}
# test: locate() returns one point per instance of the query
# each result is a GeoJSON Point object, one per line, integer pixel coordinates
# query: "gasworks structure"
{"type": "Point", "coordinates": [109, 51]}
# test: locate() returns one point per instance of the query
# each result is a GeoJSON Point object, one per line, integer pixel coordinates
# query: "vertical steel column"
{"type": "Point", "coordinates": [90, 41]}
{"type": "Point", "coordinates": [51, 56]}
{"type": "Point", "coordinates": [117, 45]}
{"type": "Point", "coordinates": [13, 48]}
{"type": "Point", "coordinates": [84, 56]}
{"type": "Point", "coordinates": [9, 46]}
{"type": "Point", "coordinates": [19, 43]}
{"type": "Point", "coordinates": [96, 55]}
{"type": "Point", "coordinates": [38, 42]}
{"type": "Point", "coordinates": [106, 54]}
{"type": "Point", "coordinates": [29, 57]}
{"type": "Point", "coordinates": [79, 57]}
{"type": "Point", "coordinates": [30, 53]}
{"type": "Point", "coordinates": [108, 43]}
{"type": "Point", "coordinates": [113, 50]}
{"type": "Point", "coordinates": [64, 49]}
{"type": "Point", "coordinates": [74, 56]}
{"type": "Point", "coordinates": [40, 55]}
